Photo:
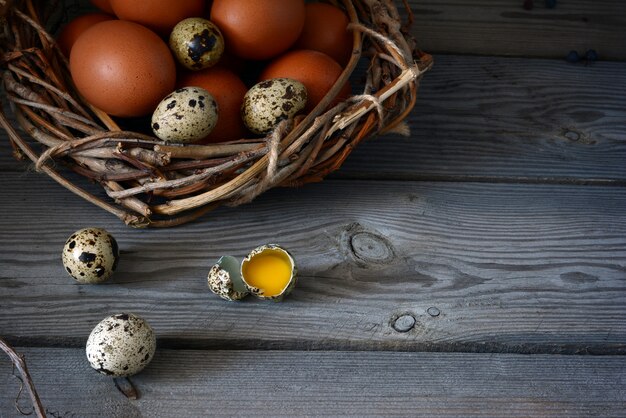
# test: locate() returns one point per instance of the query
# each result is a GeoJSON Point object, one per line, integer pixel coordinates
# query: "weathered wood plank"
{"type": "Point", "coordinates": [503, 27]}
{"type": "Point", "coordinates": [517, 119]}
{"type": "Point", "coordinates": [273, 383]}
{"type": "Point", "coordinates": [512, 268]}
{"type": "Point", "coordinates": [499, 119]}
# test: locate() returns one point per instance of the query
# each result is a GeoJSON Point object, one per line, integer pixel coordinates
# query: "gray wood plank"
{"type": "Point", "coordinates": [485, 118]}
{"type": "Point", "coordinates": [503, 27]}
{"type": "Point", "coordinates": [499, 119]}
{"type": "Point", "coordinates": [513, 268]}
{"type": "Point", "coordinates": [274, 383]}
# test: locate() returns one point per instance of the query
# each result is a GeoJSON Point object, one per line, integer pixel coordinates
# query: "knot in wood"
{"type": "Point", "coordinates": [571, 135]}
{"type": "Point", "coordinates": [371, 248]}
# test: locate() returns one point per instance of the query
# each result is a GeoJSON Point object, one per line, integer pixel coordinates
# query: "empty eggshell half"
{"type": "Point", "coordinates": [225, 279]}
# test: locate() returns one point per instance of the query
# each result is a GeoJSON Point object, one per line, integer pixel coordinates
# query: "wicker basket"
{"type": "Point", "coordinates": [148, 182]}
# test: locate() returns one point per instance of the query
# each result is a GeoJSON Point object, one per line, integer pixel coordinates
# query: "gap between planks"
{"type": "Point", "coordinates": [337, 345]}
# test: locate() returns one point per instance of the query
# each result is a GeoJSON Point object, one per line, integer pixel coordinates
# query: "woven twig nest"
{"type": "Point", "coordinates": [148, 182]}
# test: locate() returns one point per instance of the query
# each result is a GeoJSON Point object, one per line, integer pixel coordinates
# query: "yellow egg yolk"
{"type": "Point", "coordinates": [269, 271]}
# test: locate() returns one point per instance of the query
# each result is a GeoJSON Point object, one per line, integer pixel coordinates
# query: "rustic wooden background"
{"type": "Point", "coordinates": [475, 268]}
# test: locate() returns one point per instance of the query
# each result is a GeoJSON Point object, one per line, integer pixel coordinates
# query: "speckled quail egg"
{"type": "Point", "coordinates": [271, 101]}
{"type": "Point", "coordinates": [90, 255]}
{"type": "Point", "coordinates": [225, 279]}
{"type": "Point", "coordinates": [186, 115]}
{"type": "Point", "coordinates": [196, 43]}
{"type": "Point", "coordinates": [121, 345]}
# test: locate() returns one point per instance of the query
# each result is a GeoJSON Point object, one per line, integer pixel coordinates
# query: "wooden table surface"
{"type": "Point", "coordinates": [476, 268]}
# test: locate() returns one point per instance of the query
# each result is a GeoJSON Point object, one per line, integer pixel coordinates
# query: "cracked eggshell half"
{"type": "Point", "coordinates": [269, 272]}
{"type": "Point", "coordinates": [121, 345]}
{"type": "Point", "coordinates": [225, 279]}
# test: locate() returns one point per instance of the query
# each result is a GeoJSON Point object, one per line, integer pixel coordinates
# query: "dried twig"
{"type": "Point", "coordinates": [20, 364]}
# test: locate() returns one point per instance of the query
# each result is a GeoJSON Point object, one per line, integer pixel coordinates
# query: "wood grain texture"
{"type": "Point", "coordinates": [511, 268]}
{"type": "Point", "coordinates": [274, 383]}
{"type": "Point", "coordinates": [495, 119]}
{"type": "Point", "coordinates": [499, 119]}
{"type": "Point", "coordinates": [393, 266]}
{"type": "Point", "coordinates": [503, 27]}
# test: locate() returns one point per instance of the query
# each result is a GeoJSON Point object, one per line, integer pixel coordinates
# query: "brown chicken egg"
{"type": "Point", "coordinates": [70, 32]}
{"type": "Point", "coordinates": [258, 29]}
{"type": "Point", "coordinates": [159, 15]}
{"type": "Point", "coordinates": [316, 70]}
{"type": "Point", "coordinates": [228, 90]}
{"type": "Point", "coordinates": [326, 30]}
{"type": "Point", "coordinates": [122, 68]}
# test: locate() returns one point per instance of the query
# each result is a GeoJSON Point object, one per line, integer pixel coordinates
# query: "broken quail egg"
{"type": "Point", "coordinates": [271, 101]}
{"type": "Point", "coordinates": [197, 43]}
{"type": "Point", "coordinates": [90, 255]}
{"type": "Point", "coordinates": [225, 279]}
{"type": "Point", "coordinates": [121, 345]}
{"type": "Point", "coordinates": [269, 272]}
{"type": "Point", "coordinates": [186, 115]}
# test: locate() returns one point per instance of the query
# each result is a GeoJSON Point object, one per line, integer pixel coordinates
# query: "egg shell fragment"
{"type": "Point", "coordinates": [196, 43]}
{"type": "Point", "coordinates": [269, 102]}
{"type": "Point", "coordinates": [186, 115]}
{"type": "Point", "coordinates": [121, 345]}
{"type": "Point", "coordinates": [90, 255]}
{"type": "Point", "coordinates": [225, 279]}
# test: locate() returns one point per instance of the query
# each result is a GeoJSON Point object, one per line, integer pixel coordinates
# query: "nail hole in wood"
{"type": "Point", "coordinates": [404, 323]}
{"type": "Point", "coordinates": [433, 311]}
